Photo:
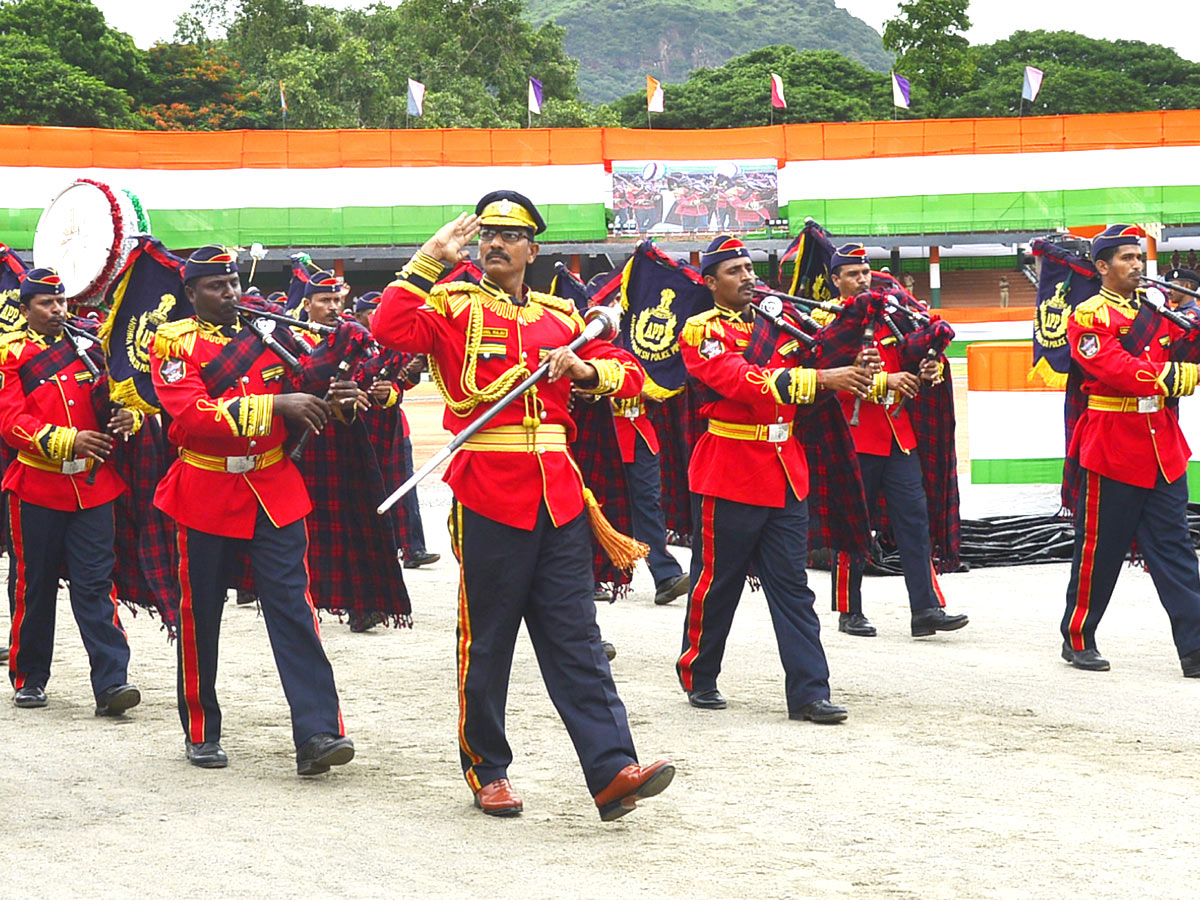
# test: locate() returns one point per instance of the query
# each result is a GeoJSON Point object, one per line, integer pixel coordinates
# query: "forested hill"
{"type": "Point", "coordinates": [619, 42]}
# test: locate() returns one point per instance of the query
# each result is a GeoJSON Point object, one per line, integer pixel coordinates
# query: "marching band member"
{"type": "Point", "coordinates": [518, 522]}
{"type": "Point", "coordinates": [59, 514]}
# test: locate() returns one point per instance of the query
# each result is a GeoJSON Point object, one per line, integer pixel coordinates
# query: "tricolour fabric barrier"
{"type": "Point", "coordinates": [1015, 429]}
{"type": "Point", "coordinates": [381, 187]}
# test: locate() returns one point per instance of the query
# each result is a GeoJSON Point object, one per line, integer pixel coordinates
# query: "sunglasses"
{"type": "Point", "coordinates": [508, 235]}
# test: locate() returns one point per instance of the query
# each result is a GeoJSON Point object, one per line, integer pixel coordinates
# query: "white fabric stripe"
{"type": "Point", "coordinates": [1015, 424]}
{"type": "Point", "coordinates": [902, 176]}
{"type": "Point", "coordinates": [33, 187]}
{"type": "Point", "coordinates": [994, 331]}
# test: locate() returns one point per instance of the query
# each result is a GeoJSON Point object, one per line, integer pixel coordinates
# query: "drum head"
{"type": "Point", "coordinates": [81, 236]}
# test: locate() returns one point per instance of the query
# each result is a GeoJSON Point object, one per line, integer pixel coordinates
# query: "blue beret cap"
{"type": "Point", "coordinates": [849, 255]}
{"type": "Point", "coordinates": [1116, 236]}
{"type": "Point", "coordinates": [41, 281]}
{"type": "Point", "coordinates": [723, 247]}
{"type": "Point", "coordinates": [210, 260]}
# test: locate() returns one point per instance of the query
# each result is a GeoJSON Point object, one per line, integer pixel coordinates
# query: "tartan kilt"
{"type": "Point", "coordinates": [837, 504]}
{"type": "Point", "coordinates": [598, 456]}
{"type": "Point", "coordinates": [353, 566]}
{"type": "Point", "coordinates": [678, 424]}
{"type": "Point", "coordinates": [385, 431]}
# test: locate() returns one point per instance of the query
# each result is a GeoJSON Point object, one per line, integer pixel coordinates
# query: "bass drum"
{"type": "Point", "coordinates": [86, 235]}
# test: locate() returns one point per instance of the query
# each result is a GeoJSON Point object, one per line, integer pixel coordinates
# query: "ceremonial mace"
{"type": "Point", "coordinates": [602, 324]}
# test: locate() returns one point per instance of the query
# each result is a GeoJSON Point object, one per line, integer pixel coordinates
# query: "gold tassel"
{"type": "Point", "coordinates": [623, 550]}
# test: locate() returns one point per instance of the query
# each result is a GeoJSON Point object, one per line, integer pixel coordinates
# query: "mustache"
{"type": "Point", "coordinates": [498, 254]}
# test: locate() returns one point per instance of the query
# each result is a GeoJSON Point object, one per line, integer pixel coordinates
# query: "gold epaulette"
{"type": "Point", "coordinates": [452, 296]}
{"type": "Point", "coordinates": [696, 328]}
{"type": "Point", "coordinates": [561, 305]}
{"type": "Point", "coordinates": [174, 338]}
{"type": "Point", "coordinates": [1090, 311]}
{"type": "Point", "coordinates": [822, 317]}
{"type": "Point", "coordinates": [7, 341]}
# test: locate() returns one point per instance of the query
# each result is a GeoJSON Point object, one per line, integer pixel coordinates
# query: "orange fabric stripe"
{"type": "Point", "coordinates": [1087, 562]}
{"type": "Point", "coordinates": [189, 652]}
{"type": "Point", "coordinates": [112, 594]}
{"type": "Point", "coordinates": [841, 581]}
{"type": "Point", "coordinates": [937, 588]}
{"type": "Point", "coordinates": [76, 148]}
{"type": "Point", "coordinates": [464, 648]}
{"type": "Point", "coordinates": [18, 617]}
{"type": "Point", "coordinates": [695, 627]}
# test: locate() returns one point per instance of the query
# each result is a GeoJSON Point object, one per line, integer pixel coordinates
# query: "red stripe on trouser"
{"type": "Point", "coordinates": [18, 617]}
{"type": "Point", "coordinates": [695, 623]}
{"type": "Point", "coordinates": [312, 608]}
{"type": "Point", "coordinates": [188, 651]}
{"type": "Point", "coordinates": [1087, 560]}
{"type": "Point", "coordinates": [464, 647]}
{"type": "Point", "coordinates": [937, 588]}
{"type": "Point", "coordinates": [112, 595]}
{"type": "Point", "coordinates": [841, 582]}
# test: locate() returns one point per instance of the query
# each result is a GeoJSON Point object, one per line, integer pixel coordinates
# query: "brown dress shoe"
{"type": "Point", "coordinates": [633, 783]}
{"type": "Point", "coordinates": [498, 799]}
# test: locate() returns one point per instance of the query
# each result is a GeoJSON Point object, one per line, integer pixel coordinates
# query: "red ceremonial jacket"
{"type": "Point", "coordinates": [197, 491]}
{"type": "Point", "coordinates": [734, 459]}
{"type": "Point", "coordinates": [42, 425]}
{"type": "Point", "coordinates": [877, 429]}
{"type": "Point", "coordinates": [630, 421]}
{"type": "Point", "coordinates": [480, 345]}
{"type": "Point", "coordinates": [1112, 438]}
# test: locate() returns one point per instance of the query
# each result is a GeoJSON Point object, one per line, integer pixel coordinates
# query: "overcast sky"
{"type": "Point", "coordinates": [1175, 23]}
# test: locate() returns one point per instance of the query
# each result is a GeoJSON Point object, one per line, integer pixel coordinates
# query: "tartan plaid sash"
{"type": "Point", "coordinates": [46, 364]}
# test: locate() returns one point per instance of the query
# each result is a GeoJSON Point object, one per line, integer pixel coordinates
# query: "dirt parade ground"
{"type": "Point", "coordinates": [973, 765]}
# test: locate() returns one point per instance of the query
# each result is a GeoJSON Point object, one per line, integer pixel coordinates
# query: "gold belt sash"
{"type": "Point", "coordinates": [62, 466]}
{"type": "Point", "coordinates": [1124, 404]}
{"type": "Point", "coordinates": [236, 464]}
{"type": "Point", "coordinates": [739, 432]}
{"type": "Point", "coordinates": [519, 439]}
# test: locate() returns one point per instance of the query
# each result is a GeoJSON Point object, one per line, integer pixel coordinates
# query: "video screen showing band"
{"type": "Point", "coordinates": [694, 196]}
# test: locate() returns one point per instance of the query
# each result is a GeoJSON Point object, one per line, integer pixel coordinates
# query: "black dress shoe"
{"type": "Point", "coordinates": [116, 700]}
{"type": "Point", "coordinates": [671, 588]}
{"type": "Point", "coordinates": [1088, 660]}
{"type": "Point", "coordinates": [421, 558]}
{"type": "Point", "coordinates": [707, 699]}
{"type": "Point", "coordinates": [31, 697]}
{"type": "Point", "coordinates": [246, 598]}
{"type": "Point", "coordinates": [359, 624]}
{"type": "Point", "coordinates": [207, 755]}
{"type": "Point", "coordinates": [4, 654]}
{"type": "Point", "coordinates": [602, 595]}
{"type": "Point", "coordinates": [927, 621]}
{"type": "Point", "coordinates": [820, 711]}
{"type": "Point", "coordinates": [855, 624]}
{"type": "Point", "coordinates": [1191, 664]}
{"type": "Point", "coordinates": [321, 751]}
{"type": "Point", "coordinates": [610, 652]}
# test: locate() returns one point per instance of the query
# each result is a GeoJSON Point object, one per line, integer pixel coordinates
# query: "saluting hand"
{"type": "Point", "coordinates": [450, 242]}
{"type": "Point", "coordinates": [302, 410]}
{"type": "Point", "coordinates": [93, 445]}
{"type": "Point", "coordinates": [845, 378]}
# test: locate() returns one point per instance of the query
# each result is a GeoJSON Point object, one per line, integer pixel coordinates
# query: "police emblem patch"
{"type": "Point", "coordinates": [1089, 345]}
{"type": "Point", "coordinates": [171, 370]}
{"type": "Point", "coordinates": [710, 348]}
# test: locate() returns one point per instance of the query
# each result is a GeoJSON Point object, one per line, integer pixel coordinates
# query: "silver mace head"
{"type": "Point", "coordinates": [603, 322]}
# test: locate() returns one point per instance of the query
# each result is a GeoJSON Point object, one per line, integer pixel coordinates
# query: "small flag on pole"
{"type": "Point", "coordinates": [654, 95]}
{"type": "Point", "coordinates": [283, 97]}
{"type": "Point", "coordinates": [416, 98]}
{"type": "Point", "coordinates": [1033, 83]}
{"type": "Point", "coordinates": [535, 96]}
{"type": "Point", "coordinates": [777, 100]}
{"type": "Point", "coordinates": [901, 91]}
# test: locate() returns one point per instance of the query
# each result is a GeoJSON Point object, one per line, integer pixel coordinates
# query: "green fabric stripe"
{"type": "Point", "coordinates": [1048, 471]}
{"type": "Point", "coordinates": [988, 212]}
{"type": "Point", "coordinates": [315, 227]}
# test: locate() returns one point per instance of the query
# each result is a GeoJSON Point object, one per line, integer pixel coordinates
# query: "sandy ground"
{"type": "Point", "coordinates": [973, 765]}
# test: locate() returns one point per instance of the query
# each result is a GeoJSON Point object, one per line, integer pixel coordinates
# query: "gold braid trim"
{"type": "Point", "coordinates": [59, 442]}
{"type": "Point", "coordinates": [474, 394]}
{"type": "Point", "coordinates": [12, 342]}
{"type": "Point", "coordinates": [804, 386]}
{"type": "Point", "coordinates": [610, 375]}
{"type": "Point", "coordinates": [878, 386]}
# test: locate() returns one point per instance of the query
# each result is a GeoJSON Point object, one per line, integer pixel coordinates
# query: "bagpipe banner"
{"type": "Point", "coordinates": [147, 293]}
{"type": "Point", "coordinates": [567, 284]}
{"type": "Point", "coordinates": [812, 251]}
{"type": "Point", "coordinates": [12, 273]}
{"type": "Point", "coordinates": [1066, 280]}
{"type": "Point", "coordinates": [658, 296]}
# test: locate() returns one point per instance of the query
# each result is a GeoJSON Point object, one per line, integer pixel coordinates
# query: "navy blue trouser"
{"type": "Point", "coordinates": [277, 559]}
{"type": "Point", "coordinates": [898, 477]}
{"type": "Point", "coordinates": [43, 540]}
{"type": "Point", "coordinates": [1109, 515]}
{"type": "Point", "coordinates": [543, 577]}
{"type": "Point", "coordinates": [412, 508]}
{"type": "Point", "coordinates": [645, 493]}
{"type": "Point", "coordinates": [728, 539]}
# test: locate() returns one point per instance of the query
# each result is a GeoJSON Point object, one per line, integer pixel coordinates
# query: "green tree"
{"type": "Point", "coordinates": [819, 85]}
{"type": "Point", "coordinates": [200, 89]}
{"type": "Point", "coordinates": [38, 88]}
{"type": "Point", "coordinates": [933, 52]}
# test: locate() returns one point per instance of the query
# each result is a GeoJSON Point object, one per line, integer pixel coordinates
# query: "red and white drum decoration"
{"type": "Point", "coordinates": [86, 235]}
